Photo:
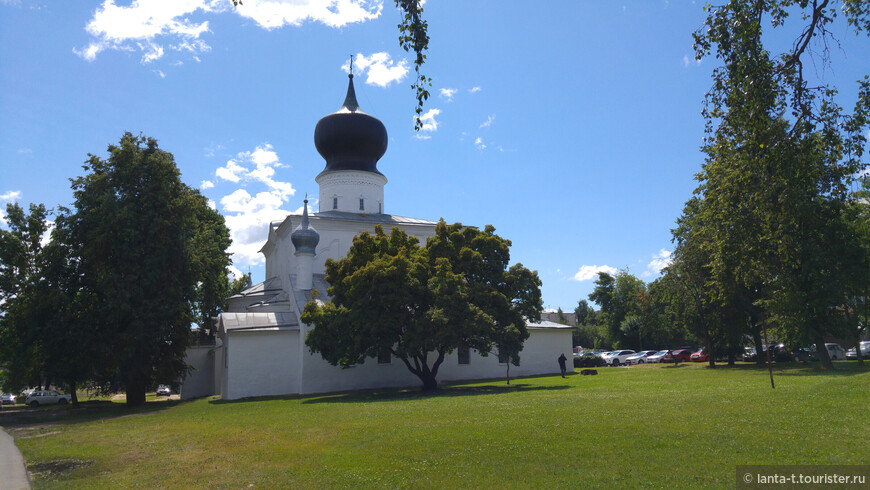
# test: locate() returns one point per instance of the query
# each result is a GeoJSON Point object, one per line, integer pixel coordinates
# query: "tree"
{"type": "Point", "coordinates": [149, 253]}
{"type": "Point", "coordinates": [780, 155]}
{"type": "Point", "coordinates": [21, 254]}
{"type": "Point", "coordinates": [619, 297]}
{"type": "Point", "coordinates": [421, 303]}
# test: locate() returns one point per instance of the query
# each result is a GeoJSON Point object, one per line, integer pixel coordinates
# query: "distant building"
{"type": "Point", "coordinates": [260, 348]}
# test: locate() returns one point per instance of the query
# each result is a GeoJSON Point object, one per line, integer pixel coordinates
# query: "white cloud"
{"type": "Point", "coordinates": [152, 25]}
{"type": "Point", "coordinates": [10, 196]}
{"type": "Point", "coordinates": [488, 122]}
{"type": "Point", "coordinates": [145, 24]}
{"type": "Point", "coordinates": [479, 143]}
{"type": "Point", "coordinates": [430, 125]}
{"type": "Point", "coordinates": [688, 61]}
{"type": "Point", "coordinates": [206, 184]}
{"type": "Point", "coordinates": [379, 68]}
{"type": "Point", "coordinates": [264, 160]}
{"type": "Point", "coordinates": [659, 261]}
{"type": "Point", "coordinates": [474, 90]}
{"type": "Point", "coordinates": [248, 219]}
{"type": "Point", "coordinates": [589, 272]}
{"type": "Point", "coordinates": [248, 216]}
{"type": "Point", "coordinates": [448, 93]}
{"type": "Point", "coordinates": [270, 14]}
{"type": "Point", "coordinates": [232, 171]}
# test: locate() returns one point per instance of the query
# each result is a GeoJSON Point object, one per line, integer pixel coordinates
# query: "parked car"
{"type": "Point", "coordinates": [865, 351]}
{"type": "Point", "coordinates": [46, 397]}
{"type": "Point", "coordinates": [163, 390]}
{"type": "Point", "coordinates": [699, 356]}
{"type": "Point", "coordinates": [657, 357]}
{"type": "Point", "coordinates": [639, 358]}
{"type": "Point", "coordinates": [618, 357]}
{"type": "Point", "coordinates": [800, 354]}
{"type": "Point", "coordinates": [7, 399]}
{"type": "Point", "coordinates": [835, 351]}
{"type": "Point", "coordinates": [679, 355]}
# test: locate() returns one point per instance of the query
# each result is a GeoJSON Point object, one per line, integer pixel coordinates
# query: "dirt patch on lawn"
{"type": "Point", "coordinates": [50, 470]}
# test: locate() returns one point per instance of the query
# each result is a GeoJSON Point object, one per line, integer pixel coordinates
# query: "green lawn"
{"type": "Point", "coordinates": [652, 426]}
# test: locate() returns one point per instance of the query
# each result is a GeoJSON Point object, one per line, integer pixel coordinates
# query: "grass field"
{"type": "Point", "coordinates": [652, 426]}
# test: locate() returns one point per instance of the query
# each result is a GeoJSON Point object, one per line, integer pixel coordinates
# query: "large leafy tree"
{"type": "Point", "coordinates": [389, 294]}
{"type": "Point", "coordinates": [44, 333]}
{"type": "Point", "coordinates": [21, 255]}
{"type": "Point", "coordinates": [619, 297]}
{"type": "Point", "coordinates": [780, 154]}
{"type": "Point", "coordinates": [150, 253]}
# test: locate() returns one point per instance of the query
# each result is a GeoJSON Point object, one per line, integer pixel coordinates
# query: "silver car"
{"type": "Point", "coordinates": [46, 397]}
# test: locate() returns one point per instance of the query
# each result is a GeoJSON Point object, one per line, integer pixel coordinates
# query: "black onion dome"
{"type": "Point", "coordinates": [305, 238]}
{"type": "Point", "coordinates": [350, 139]}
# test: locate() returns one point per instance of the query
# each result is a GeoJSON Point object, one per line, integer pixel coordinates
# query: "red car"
{"type": "Point", "coordinates": [700, 356]}
{"type": "Point", "coordinates": [680, 355]}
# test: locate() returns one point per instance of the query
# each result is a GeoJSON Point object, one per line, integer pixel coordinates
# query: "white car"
{"type": "Point", "coordinates": [46, 397]}
{"type": "Point", "coordinates": [7, 399]}
{"type": "Point", "coordinates": [865, 351]}
{"type": "Point", "coordinates": [657, 357]}
{"type": "Point", "coordinates": [640, 357]}
{"type": "Point", "coordinates": [163, 390]}
{"type": "Point", "coordinates": [618, 357]}
{"type": "Point", "coordinates": [835, 351]}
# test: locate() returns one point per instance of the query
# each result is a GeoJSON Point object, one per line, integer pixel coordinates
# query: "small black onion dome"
{"type": "Point", "coordinates": [350, 139]}
{"type": "Point", "coordinates": [304, 237]}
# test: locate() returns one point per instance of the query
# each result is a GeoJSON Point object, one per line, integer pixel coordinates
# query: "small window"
{"type": "Point", "coordinates": [334, 203]}
{"type": "Point", "coordinates": [503, 358]}
{"type": "Point", "coordinates": [380, 208]}
{"type": "Point", "coordinates": [361, 204]}
{"type": "Point", "coordinates": [464, 354]}
{"type": "Point", "coordinates": [385, 357]}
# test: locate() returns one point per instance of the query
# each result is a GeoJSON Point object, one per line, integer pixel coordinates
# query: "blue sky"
{"type": "Point", "coordinates": [572, 127]}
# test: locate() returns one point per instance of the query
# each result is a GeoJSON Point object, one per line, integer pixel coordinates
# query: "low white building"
{"type": "Point", "coordinates": [260, 348]}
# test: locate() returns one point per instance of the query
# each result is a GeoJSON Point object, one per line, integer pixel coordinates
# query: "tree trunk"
{"type": "Point", "coordinates": [73, 394]}
{"type": "Point", "coordinates": [135, 391]}
{"type": "Point", "coordinates": [509, 370]}
{"type": "Point", "coordinates": [711, 359]}
{"type": "Point", "coordinates": [822, 353]}
{"type": "Point", "coordinates": [732, 357]}
{"type": "Point", "coordinates": [759, 345]}
{"type": "Point", "coordinates": [430, 384]}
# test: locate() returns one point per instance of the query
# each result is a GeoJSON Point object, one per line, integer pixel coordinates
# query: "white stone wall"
{"type": "Point", "coordinates": [349, 186]}
{"type": "Point", "coordinates": [539, 356]}
{"type": "Point", "coordinates": [200, 381]}
{"type": "Point", "coordinates": [261, 363]}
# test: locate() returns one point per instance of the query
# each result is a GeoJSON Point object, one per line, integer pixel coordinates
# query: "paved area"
{"type": "Point", "coordinates": [13, 472]}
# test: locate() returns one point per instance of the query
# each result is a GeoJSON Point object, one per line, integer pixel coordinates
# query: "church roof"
{"type": "Point", "coordinates": [547, 324]}
{"type": "Point", "coordinates": [384, 219]}
{"type": "Point", "coordinates": [258, 321]}
{"type": "Point", "coordinates": [350, 139]}
{"type": "Point", "coordinates": [305, 238]}
{"type": "Point", "coordinates": [272, 285]}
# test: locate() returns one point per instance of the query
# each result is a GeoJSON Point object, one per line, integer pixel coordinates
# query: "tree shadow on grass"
{"type": "Point", "coordinates": [86, 412]}
{"type": "Point", "coordinates": [416, 394]}
{"type": "Point", "coordinates": [397, 394]}
{"type": "Point", "coordinates": [841, 368]}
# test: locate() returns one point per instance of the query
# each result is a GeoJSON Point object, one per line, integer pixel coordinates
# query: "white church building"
{"type": "Point", "coordinates": [260, 341]}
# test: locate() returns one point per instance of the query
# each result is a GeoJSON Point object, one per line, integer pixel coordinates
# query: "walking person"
{"type": "Point", "coordinates": [562, 367]}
